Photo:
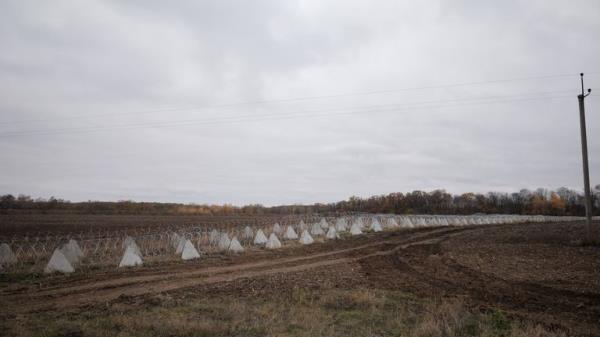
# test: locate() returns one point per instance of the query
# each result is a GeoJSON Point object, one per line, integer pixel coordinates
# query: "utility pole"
{"type": "Point", "coordinates": [584, 152]}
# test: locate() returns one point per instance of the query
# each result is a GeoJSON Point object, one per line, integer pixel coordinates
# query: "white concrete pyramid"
{"type": "Point", "coordinates": [375, 225]}
{"type": "Point", "coordinates": [72, 252]}
{"type": "Point", "coordinates": [444, 221]}
{"type": "Point", "coordinates": [316, 229]}
{"type": "Point", "coordinates": [7, 257]}
{"type": "Point", "coordinates": [248, 233]}
{"type": "Point", "coordinates": [260, 238]}
{"type": "Point", "coordinates": [130, 242]}
{"type": "Point", "coordinates": [214, 237]}
{"type": "Point", "coordinates": [305, 238]}
{"type": "Point", "coordinates": [340, 225]}
{"type": "Point", "coordinates": [332, 233]}
{"type": "Point", "coordinates": [130, 258]}
{"type": "Point", "coordinates": [290, 234]}
{"type": "Point", "coordinates": [392, 223]}
{"type": "Point", "coordinates": [324, 225]}
{"type": "Point", "coordinates": [58, 263]}
{"type": "Point", "coordinates": [355, 229]}
{"type": "Point", "coordinates": [276, 228]}
{"type": "Point", "coordinates": [302, 226]}
{"type": "Point", "coordinates": [273, 242]}
{"type": "Point", "coordinates": [359, 222]}
{"type": "Point", "coordinates": [405, 222]}
{"type": "Point", "coordinates": [224, 242]}
{"type": "Point", "coordinates": [189, 252]}
{"type": "Point", "coordinates": [235, 246]}
{"type": "Point", "coordinates": [75, 247]}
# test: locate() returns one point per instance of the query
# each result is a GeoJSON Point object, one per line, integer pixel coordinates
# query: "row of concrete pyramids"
{"type": "Point", "coordinates": [67, 256]}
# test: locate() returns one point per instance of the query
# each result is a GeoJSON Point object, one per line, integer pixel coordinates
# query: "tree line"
{"type": "Point", "coordinates": [562, 201]}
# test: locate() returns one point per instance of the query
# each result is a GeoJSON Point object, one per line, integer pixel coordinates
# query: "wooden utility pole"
{"type": "Point", "coordinates": [584, 152]}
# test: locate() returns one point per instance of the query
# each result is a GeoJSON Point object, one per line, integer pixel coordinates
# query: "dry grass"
{"type": "Point", "coordinates": [299, 312]}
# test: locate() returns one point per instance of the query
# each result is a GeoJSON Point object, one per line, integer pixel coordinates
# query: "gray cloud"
{"type": "Point", "coordinates": [107, 64]}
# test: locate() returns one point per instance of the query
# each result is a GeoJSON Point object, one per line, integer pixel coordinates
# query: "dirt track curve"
{"type": "Point", "coordinates": [449, 261]}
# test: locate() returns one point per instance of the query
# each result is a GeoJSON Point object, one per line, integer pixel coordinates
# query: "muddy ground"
{"type": "Point", "coordinates": [541, 273]}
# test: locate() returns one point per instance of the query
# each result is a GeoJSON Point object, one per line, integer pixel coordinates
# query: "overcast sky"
{"type": "Point", "coordinates": [279, 102]}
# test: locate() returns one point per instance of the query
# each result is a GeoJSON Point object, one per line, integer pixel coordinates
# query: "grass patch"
{"type": "Point", "coordinates": [300, 312]}
{"type": "Point", "coordinates": [18, 277]}
{"type": "Point", "coordinates": [500, 324]}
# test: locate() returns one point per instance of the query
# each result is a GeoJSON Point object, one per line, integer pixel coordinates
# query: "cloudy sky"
{"type": "Point", "coordinates": [280, 102]}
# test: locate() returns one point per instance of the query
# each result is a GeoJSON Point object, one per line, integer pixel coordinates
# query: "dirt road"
{"type": "Point", "coordinates": [536, 271]}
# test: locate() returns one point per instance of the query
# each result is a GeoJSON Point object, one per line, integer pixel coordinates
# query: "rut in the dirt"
{"type": "Point", "coordinates": [428, 269]}
{"type": "Point", "coordinates": [90, 291]}
{"type": "Point", "coordinates": [429, 262]}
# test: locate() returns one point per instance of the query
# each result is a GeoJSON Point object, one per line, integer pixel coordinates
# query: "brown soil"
{"type": "Point", "coordinates": [63, 223]}
{"type": "Point", "coordinates": [536, 271]}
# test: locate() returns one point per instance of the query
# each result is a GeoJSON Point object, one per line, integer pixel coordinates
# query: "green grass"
{"type": "Point", "coordinates": [300, 312]}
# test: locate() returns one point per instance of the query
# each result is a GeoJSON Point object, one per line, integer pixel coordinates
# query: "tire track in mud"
{"type": "Point", "coordinates": [426, 269]}
{"type": "Point", "coordinates": [90, 291]}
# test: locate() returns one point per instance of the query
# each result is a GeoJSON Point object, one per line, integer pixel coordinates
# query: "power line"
{"type": "Point", "coordinates": [277, 116]}
{"type": "Point", "coordinates": [296, 99]}
{"type": "Point", "coordinates": [495, 97]}
{"type": "Point", "coordinates": [293, 115]}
